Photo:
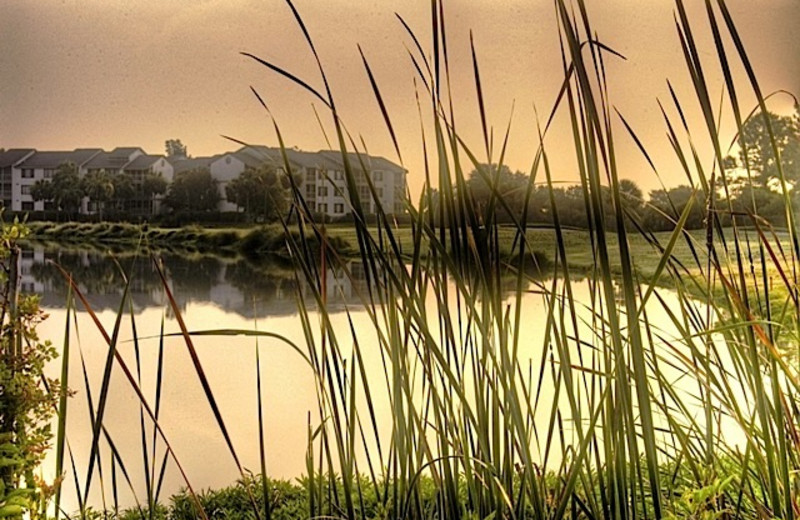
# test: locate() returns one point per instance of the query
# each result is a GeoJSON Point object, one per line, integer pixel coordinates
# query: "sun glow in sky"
{"type": "Point", "coordinates": [106, 74]}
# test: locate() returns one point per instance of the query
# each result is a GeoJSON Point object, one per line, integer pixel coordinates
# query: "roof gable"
{"type": "Point", "coordinates": [51, 160]}
{"type": "Point", "coordinates": [13, 156]}
{"type": "Point", "coordinates": [143, 162]}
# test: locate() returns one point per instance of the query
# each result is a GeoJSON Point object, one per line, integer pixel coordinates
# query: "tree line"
{"type": "Point", "coordinates": [66, 190]}
{"type": "Point", "coordinates": [262, 194]}
{"type": "Point", "coordinates": [750, 187]}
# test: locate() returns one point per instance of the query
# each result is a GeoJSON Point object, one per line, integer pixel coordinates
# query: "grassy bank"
{"type": "Point", "coordinates": [250, 242]}
{"type": "Point", "coordinates": [264, 241]}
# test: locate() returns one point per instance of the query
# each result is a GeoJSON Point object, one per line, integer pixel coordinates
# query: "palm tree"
{"type": "Point", "coordinates": [99, 187]}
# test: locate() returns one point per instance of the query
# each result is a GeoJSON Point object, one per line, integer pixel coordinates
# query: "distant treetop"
{"type": "Point", "coordinates": [175, 148]}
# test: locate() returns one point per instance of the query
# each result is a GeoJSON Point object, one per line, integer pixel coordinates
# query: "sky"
{"type": "Point", "coordinates": [107, 73]}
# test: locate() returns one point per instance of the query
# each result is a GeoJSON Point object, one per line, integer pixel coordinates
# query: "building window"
{"type": "Point", "coordinates": [380, 192]}
{"type": "Point", "coordinates": [25, 189]}
{"type": "Point", "coordinates": [27, 173]}
{"type": "Point", "coordinates": [322, 191]}
{"type": "Point", "coordinates": [48, 174]}
{"type": "Point", "coordinates": [311, 190]}
{"type": "Point", "coordinates": [322, 208]}
{"type": "Point", "coordinates": [27, 206]}
{"type": "Point", "coordinates": [338, 175]}
{"type": "Point", "coordinates": [378, 176]}
{"type": "Point", "coordinates": [338, 209]}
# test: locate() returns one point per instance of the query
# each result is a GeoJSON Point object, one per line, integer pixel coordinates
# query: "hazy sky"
{"type": "Point", "coordinates": [106, 73]}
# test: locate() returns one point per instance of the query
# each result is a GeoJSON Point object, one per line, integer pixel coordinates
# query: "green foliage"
{"type": "Point", "coordinates": [175, 148]}
{"type": "Point", "coordinates": [193, 190]}
{"type": "Point", "coordinates": [26, 405]}
{"type": "Point", "coordinates": [124, 190]}
{"type": "Point", "coordinates": [756, 148]}
{"type": "Point", "coordinates": [153, 184]}
{"type": "Point", "coordinates": [99, 187]}
{"type": "Point", "coordinates": [666, 206]}
{"type": "Point", "coordinates": [492, 181]}
{"type": "Point", "coordinates": [706, 503]}
{"type": "Point", "coordinates": [261, 192]}
{"type": "Point", "coordinates": [65, 189]}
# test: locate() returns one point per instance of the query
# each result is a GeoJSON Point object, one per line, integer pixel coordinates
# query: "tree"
{"type": "Point", "coordinates": [124, 191]}
{"type": "Point", "coordinates": [42, 190]}
{"type": "Point", "coordinates": [490, 179]}
{"type": "Point", "coordinates": [152, 184]}
{"type": "Point", "coordinates": [65, 189]}
{"type": "Point", "coordinates": [260, 192]}
{"type": "Point", "coordinates": [175, 148]}
{"type": "Point", "coordinates": [666, 207]}
{"type": "Point", "coordinates": [630, 191]}
{"type": "Point", "coordinates": [756, 151]}
{"type": "Point", "coordinates": [99, 187]}
{"type": "Point", "coordinates": [193, 191]}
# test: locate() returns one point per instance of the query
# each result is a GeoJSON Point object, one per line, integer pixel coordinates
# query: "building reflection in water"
{"type": "Point", "coordinates": [236, 285]}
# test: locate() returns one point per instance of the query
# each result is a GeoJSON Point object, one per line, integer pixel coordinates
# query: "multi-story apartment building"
{"type": "Point", "coordinates": [135, 163]}
{"type": "Point", "coordinates": [323, 181]}
{"type": "Point", "coordinates": [321, 175]}
{"type": "Point", "coordinates": [9, 160]}
{"type": "Point", "coordinates": [20, 169]}
{"type": "Point", "coordinates": [42, 166]}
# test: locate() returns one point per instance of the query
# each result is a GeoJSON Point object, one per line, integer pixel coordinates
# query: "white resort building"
{"type": "Point", "coordinates": [321, 175]}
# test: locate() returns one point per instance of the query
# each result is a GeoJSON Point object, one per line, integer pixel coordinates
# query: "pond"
{"type": "Point", "coordinates": [215, 294]}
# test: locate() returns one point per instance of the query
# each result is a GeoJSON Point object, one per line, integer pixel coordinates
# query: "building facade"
{"type": "Point", "coordinates": [323, 180]}
{"type": "Point", "coordinates": [321, 176]}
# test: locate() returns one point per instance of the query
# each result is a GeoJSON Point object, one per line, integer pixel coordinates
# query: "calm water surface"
{"type": "Point", "coordinates": [212, 293]}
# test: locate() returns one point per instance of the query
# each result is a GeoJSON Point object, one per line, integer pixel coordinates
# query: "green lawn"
{"type": "Point", "coordinates": [646, 255]}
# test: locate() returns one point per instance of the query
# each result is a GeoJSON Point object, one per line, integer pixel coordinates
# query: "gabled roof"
{"type": "Point", "coordinates": [52, 160]}
{"type": "Point", "coordinates": [381, 163]}
{"type": "Point", "coordinates": [313, 160]}
{"type": "Point", "coordinates": [297, 158]}
{"type": "Point", "coordinates": [256, 155]}
{"type": "Point", "coordinates": [81, 155]}
{"type": "Point", "coordinates": [143, 162]}
{"type": "Point", "coordinates": [102, 161]}
{"type": "Point", "coordinates": [13, 156]}
{"type": "Point", "coordinates": [113, 160]}
{"type": "Point", "coordinates": [125, 151]}
{"type": "Point", "coordinates": [371, 162]}
{"type": "Point", "coordinates": [252, 160]}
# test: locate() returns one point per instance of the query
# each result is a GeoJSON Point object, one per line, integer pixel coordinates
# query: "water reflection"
{"type": "Point", "coordinates": [236, 285]}
{"type": "Point", "coordinates": [248, 287]}
{"type": "Point", "coordinates": [217, 293]}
